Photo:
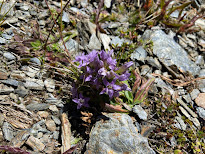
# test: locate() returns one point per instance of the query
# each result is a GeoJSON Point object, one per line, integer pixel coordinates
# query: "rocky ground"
{"type": "Point", "coordinates": [36, 111]}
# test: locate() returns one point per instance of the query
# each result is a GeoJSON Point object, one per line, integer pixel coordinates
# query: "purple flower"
{"type": "Point", "coordinates": [111, 88]}
{"type": "Point", "coordinates": [124, 67]}
{"type": "Point", "coordinates": [124, 76]}
{"type": "Point", "coordinates": [100, 73]}
{"type": "Point", "coordinates": [81, 101]}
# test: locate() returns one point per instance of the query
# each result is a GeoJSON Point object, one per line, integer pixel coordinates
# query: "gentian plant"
{"type": "Point", "coordinates": [99, 80]}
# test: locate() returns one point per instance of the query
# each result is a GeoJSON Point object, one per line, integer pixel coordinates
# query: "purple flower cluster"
{"type": "Point", "coordinates": [100, 73]}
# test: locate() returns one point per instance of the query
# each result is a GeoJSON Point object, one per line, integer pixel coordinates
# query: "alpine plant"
{"type": "Point", "coordinates": [100, 80]}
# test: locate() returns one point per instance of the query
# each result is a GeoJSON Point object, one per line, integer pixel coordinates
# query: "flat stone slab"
{"type": "Point", "coordinates": [118, 135]}
{"type": "Point", "coordinates": [170, 52]}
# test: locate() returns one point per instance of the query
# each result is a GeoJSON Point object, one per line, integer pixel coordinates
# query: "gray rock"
{"type": "Point", "coordinates": [180, 123]}
{"type": "Point", "coordinates": [145, 70]}
{"type": "Point", "coordinates": [50, 85]}
{"type": "Point", "coordinates": [76, 10]}
{"type": "Point", "coordinates": [170, 52]}
{"type": "Point", "coordinates": [9, 56]}
{"type": "Point", "coordinates": [83, 3]}
{"type": "Point", "coordinates": [11, 20]}
{"type": "Point", "coordinates": [30, 71]}
{"type": "Point", "coordinates": [72, 46]}
{"type": "Point", "coordinates": [2, 40]}
{"type": "Point", "coordinates": [21, 91]}
{"type": "Point", "coordinates": [154, 62]}
{"type": "Point", "coordinates": [160, 83]}
{"type": "Point", "coordinates": [200, 60]}
{"type": "Point", "coordinates": [105, 41]}
{"type": "Point", "coordinates": [94, 43]}
{"type": "Point", "coordinates": [5, 8]}
{"type": "Point", "coordinates": [201, 23]}
{"type": "Point", "coordinates": [201, 112]}
{"type": "Point", "coordinates": [10, 82]}
{"type": "Point", "coordinates": [24, 7]}
{"type": "Point", "coordinates": [139, 54]}
{"type": "Point", "coordinates": [6, 36]}
{"type": "Point", "coordinates": [56, 120]}
{"type": "Point", "coordinates": [65, 17]}
{"type": "Point", "coordinates": [117, 135]}
{"type": "Point", "coordinates": [201, 83]}
{"type": "Point", "coordinates": [56, 135]}
{"type": "Point", "coordinates": [50, 124]}
{"type": "Point", "coordinates": [35, 61]}
{"type": "Point", "coordinates": [194, 94]}
{"type": "Point", "coordinates": [37, 107]}
{"type": "Point", "coordinates": [118, 41]}
{"type": "Point", "coordinates": [34, 84]}
{"type": "Point", "coordinates": [107, 3]}
{"type": "Point", "coordinates": [8, 131]}
{"type": "Point", "coordinates": [43, 15]}
{"type": "Point", "coordinates": [1, 119]}
{"type": "Point", "coordinates": [140, 112]}
{"type": "Point", "coordinates": [5, 89]}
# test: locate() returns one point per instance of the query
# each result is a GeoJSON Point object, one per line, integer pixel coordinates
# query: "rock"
{"type": "Point", "coordinates": [2, 40]}
{"type": "Point", "coordinates": [140, 112]}
{"type": "Point", "coordinates": [94, 43]}
{"type": "Point", "coordinates": [83, 3]}
{"type": "Point", "coordinates": [21, 91]}
{"type": "Point", "coordinates": [170, 52]}
{"type": "Point", "coordinates": [201, 112]}
{"type": "Point", "coordinates": [10, 82]}
{"type": "Point", "coordinates": [1, 120]}
{"type": "Point", "coordinates": [9, 56]}
{"type": "Point", "coordinates": [56, 135]}
{"type": "Point", "coordinates": [24, 7]}
{"type": "Point", "coordinates": [50, 124]}
{"type": "Point", "coordinates": [5, 7]}
{"type": "Point", "coordinates": [139, 54]}
{"type": "Point", "coordinates": [107, 3]}
{"type": "Point", "coordinates": [200, 23]}
{"type": "Point", "coordinates": [34, 84]}
{"type": "Point", "coordinates": [200, 60]}
{"type": "Point", "coordinates": [200, 100]}
{"type": "Point", "coordinates": [35, 144]}
{"type": "Point", "coordinates": [53, 108]}
{"type": "Point", "coordinates": [184, 112]}
{"type": "Point", "coordinates": [37, 107]}
{"type": "Point", "coordinates": [18, 75]}
{"type": "Point", "coordinates": [160, 83]}
{"type": "Point", "coordinates": [154, 62]}
{"type": "Point", "coordinates": [201, 83]}
{"type": "Point", "coordinates": [50, 85]}
{"type": "Point", "coordinates": [76, 10]}
{"type": "Point", "coordinates": [43, 114]}
{"type": "Point", "coordinates": [6, 36]}
{"type": "Point", "coordinates": [30, 71]}
{"type": "Point", "coordinates": [65, 17]}
{"type": "Point", "coordinates": [3, 75]}
{"type": "Point", "coordinates": [116, 41]}
{"type": "Point", "coordinates": [5, 89]}
{"type": "Point", "coordinates": [194, 94]}
{"type": "Point", "coordinates": [179, 123]}
{"type": "Point", "coordinates": [8, 131]}
{"type": "Point", "coordinates": [72, 47]}
{"type": "Point", "coordinates": [35, 61]}
{"type": "Point", "coordinates": [105, 41]}
{"type": "Point", "coordinates": [117, 135]}
{"type": "Point", "coordinates": [43, 15]}
{"type": "Point", "coordinates": [56, 120]}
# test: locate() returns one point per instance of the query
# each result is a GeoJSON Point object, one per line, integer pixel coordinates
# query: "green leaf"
{"type": "Point", "coordinates": [36, 44]}
{"type": "Point", "coordinates": [129, 96]}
